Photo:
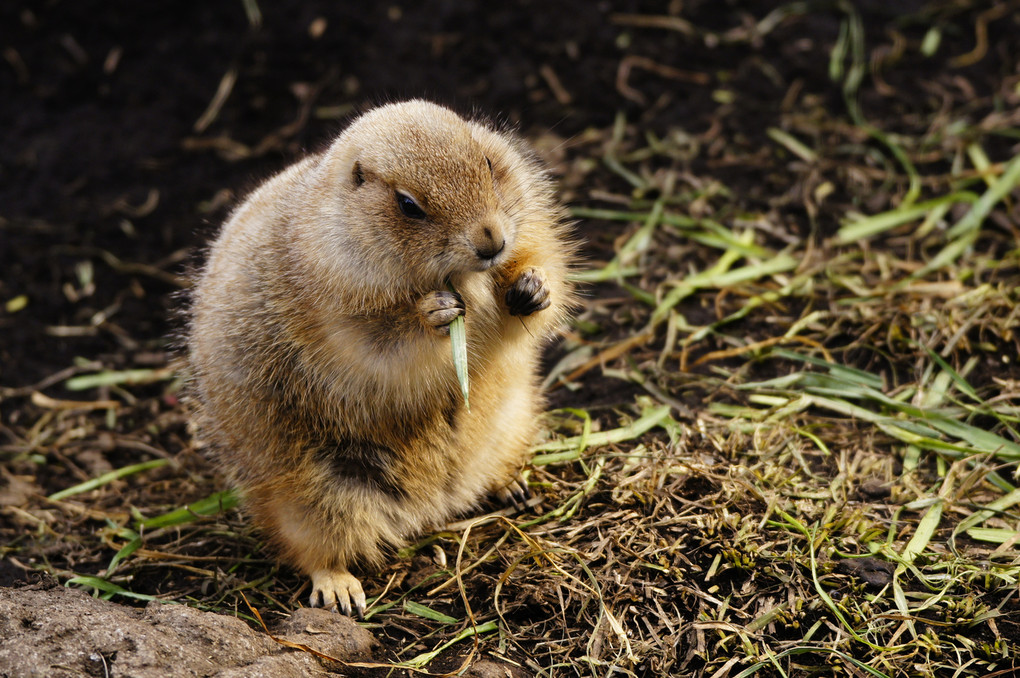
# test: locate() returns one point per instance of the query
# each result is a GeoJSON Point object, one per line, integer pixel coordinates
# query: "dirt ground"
{"type": "Point", "coordinates": [119, 159]}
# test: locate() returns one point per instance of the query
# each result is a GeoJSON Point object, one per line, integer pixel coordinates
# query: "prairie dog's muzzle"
{"type": "Point", "coordinates": [488, 239]}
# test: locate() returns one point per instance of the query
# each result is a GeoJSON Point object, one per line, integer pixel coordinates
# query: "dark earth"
{"type": "Point", "coordinates": [116, 165]}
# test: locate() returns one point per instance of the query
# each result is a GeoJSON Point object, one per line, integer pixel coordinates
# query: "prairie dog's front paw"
{"type": "Point", "coordinates": [439, 309]}
{"type": "Point", "coordinates": [333, 589]}
{"type": "Point", "coordinates": [528, 294]}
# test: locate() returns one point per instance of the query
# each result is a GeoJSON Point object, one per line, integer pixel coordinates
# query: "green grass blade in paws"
{"type": "Point", "coordinates": [458, 342]}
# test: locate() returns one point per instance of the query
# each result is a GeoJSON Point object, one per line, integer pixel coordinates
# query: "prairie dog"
{"type": "Point", "coordinates": [319, 336]}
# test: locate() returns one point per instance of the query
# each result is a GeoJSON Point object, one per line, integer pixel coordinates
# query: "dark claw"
{"type": "Point", "coordinates": [529, 308]}
{"type": "Point", "coordinates": [446, 301]}
{"type": "Point", "coordinates": [440, 309]}
{"type": "Point", "coordinates": [528, 295]}
{"type": "Point", "coordinates": [521, 494]}
{"type": "Point", "coordinates": [516, 493]}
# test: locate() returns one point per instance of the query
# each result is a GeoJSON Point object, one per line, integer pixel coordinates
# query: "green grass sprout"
{"type": "Point", "coordinates": [107, 478]}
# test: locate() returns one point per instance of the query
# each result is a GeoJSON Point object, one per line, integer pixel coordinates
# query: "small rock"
{"type": "Point", "coordinates": [330, 633]}
{"type": "Point", "coordinates": [59, 633]}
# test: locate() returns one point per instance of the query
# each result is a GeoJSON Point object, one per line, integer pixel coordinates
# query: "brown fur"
{"type": "Point", "coordinates": [318, 336]}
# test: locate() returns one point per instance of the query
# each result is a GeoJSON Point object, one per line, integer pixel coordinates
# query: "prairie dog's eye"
{"type": "Point", "coordinates": [489, 163]}
{"type": "Point", "coordinates": [409, 207]}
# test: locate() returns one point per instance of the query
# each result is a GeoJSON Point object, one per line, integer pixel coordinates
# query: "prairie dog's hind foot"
{"type": "Point", "coordinates": [528, 294]}
{"type": "Point", "coordinates": [515, 493]}
{"type": "Point", "coordinates": [337, 590]}
{"type": "Point", "coordinates": [439, 309]}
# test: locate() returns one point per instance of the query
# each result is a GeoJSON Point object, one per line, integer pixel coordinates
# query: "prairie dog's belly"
{"type": "Point", "coordinates": [359, 364]}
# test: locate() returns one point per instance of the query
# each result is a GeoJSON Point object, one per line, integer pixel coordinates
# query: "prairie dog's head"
{"type": "Point", "coordinates": [417, 189]}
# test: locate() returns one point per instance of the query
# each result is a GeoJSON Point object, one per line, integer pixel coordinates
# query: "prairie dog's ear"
{"type": "Point", "coordinates": [357, 174]}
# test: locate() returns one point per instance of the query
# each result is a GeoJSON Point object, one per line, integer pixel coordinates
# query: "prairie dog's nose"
{"type": "Point", "coordinates": [488, 241]}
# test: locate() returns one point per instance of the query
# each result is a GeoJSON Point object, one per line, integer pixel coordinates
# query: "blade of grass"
{"type": "Point", "coordinates": [979, 159]}
{"type": "Point", "coordinates": [211, 505]}
{"type": "Point", "coordinates": [866, 227]}
{"type": "Point", "coordinates": [995, 507]}
{"type": "Point", "coordinates": [107, 478]}
{"type": "Point", "coordinates": [607, 215]}
{"type": "Point", "coordinates": [792, 144]}
{"type": "Point", "coordinates": [719, 277]}
{"type": "Point", "coordinates": [995, 535]}
{"type": "Point", "coordinates": [960, 382]}
{"type": "Point", "coordinates": [375, 607]}
{"type": "Point", "coordinates": [800, 649]}
{"type": "Point", "coordinates": [458, 344]}
{"type": "Point", "coordinates": [649, 420]}
{"type": "Point", "coordinates": [922, 534]}
{"type": "Point", "coordinates": [998, 190]}
{"type": "Point", "coordinates": [124, 551]}
{"type": "Point", "coordinates": [712, 233]}
{"type": "Point", "coordinates": [624, 259]}
{"type": "Point", "coordinates": [426, 657]}
{"type": "Point", "coordinates": [105, 586]}
{"type": "Point", "coordinates": [839, 371]}
{"type": "Point", "coordinates": [573, 452]}
{"type": "Point", "coordinates": [596, 275]}
{"type": "Point", "coordinates": [428, 613]}
{"type": "Point", "coordinates": [613, 162]}
{"type": "Point", "coordinates": [458, 348]}
{"type": "Point", "coordinates": [121, 378]}
{"type": "Point", "coordinates": [965, 232]}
